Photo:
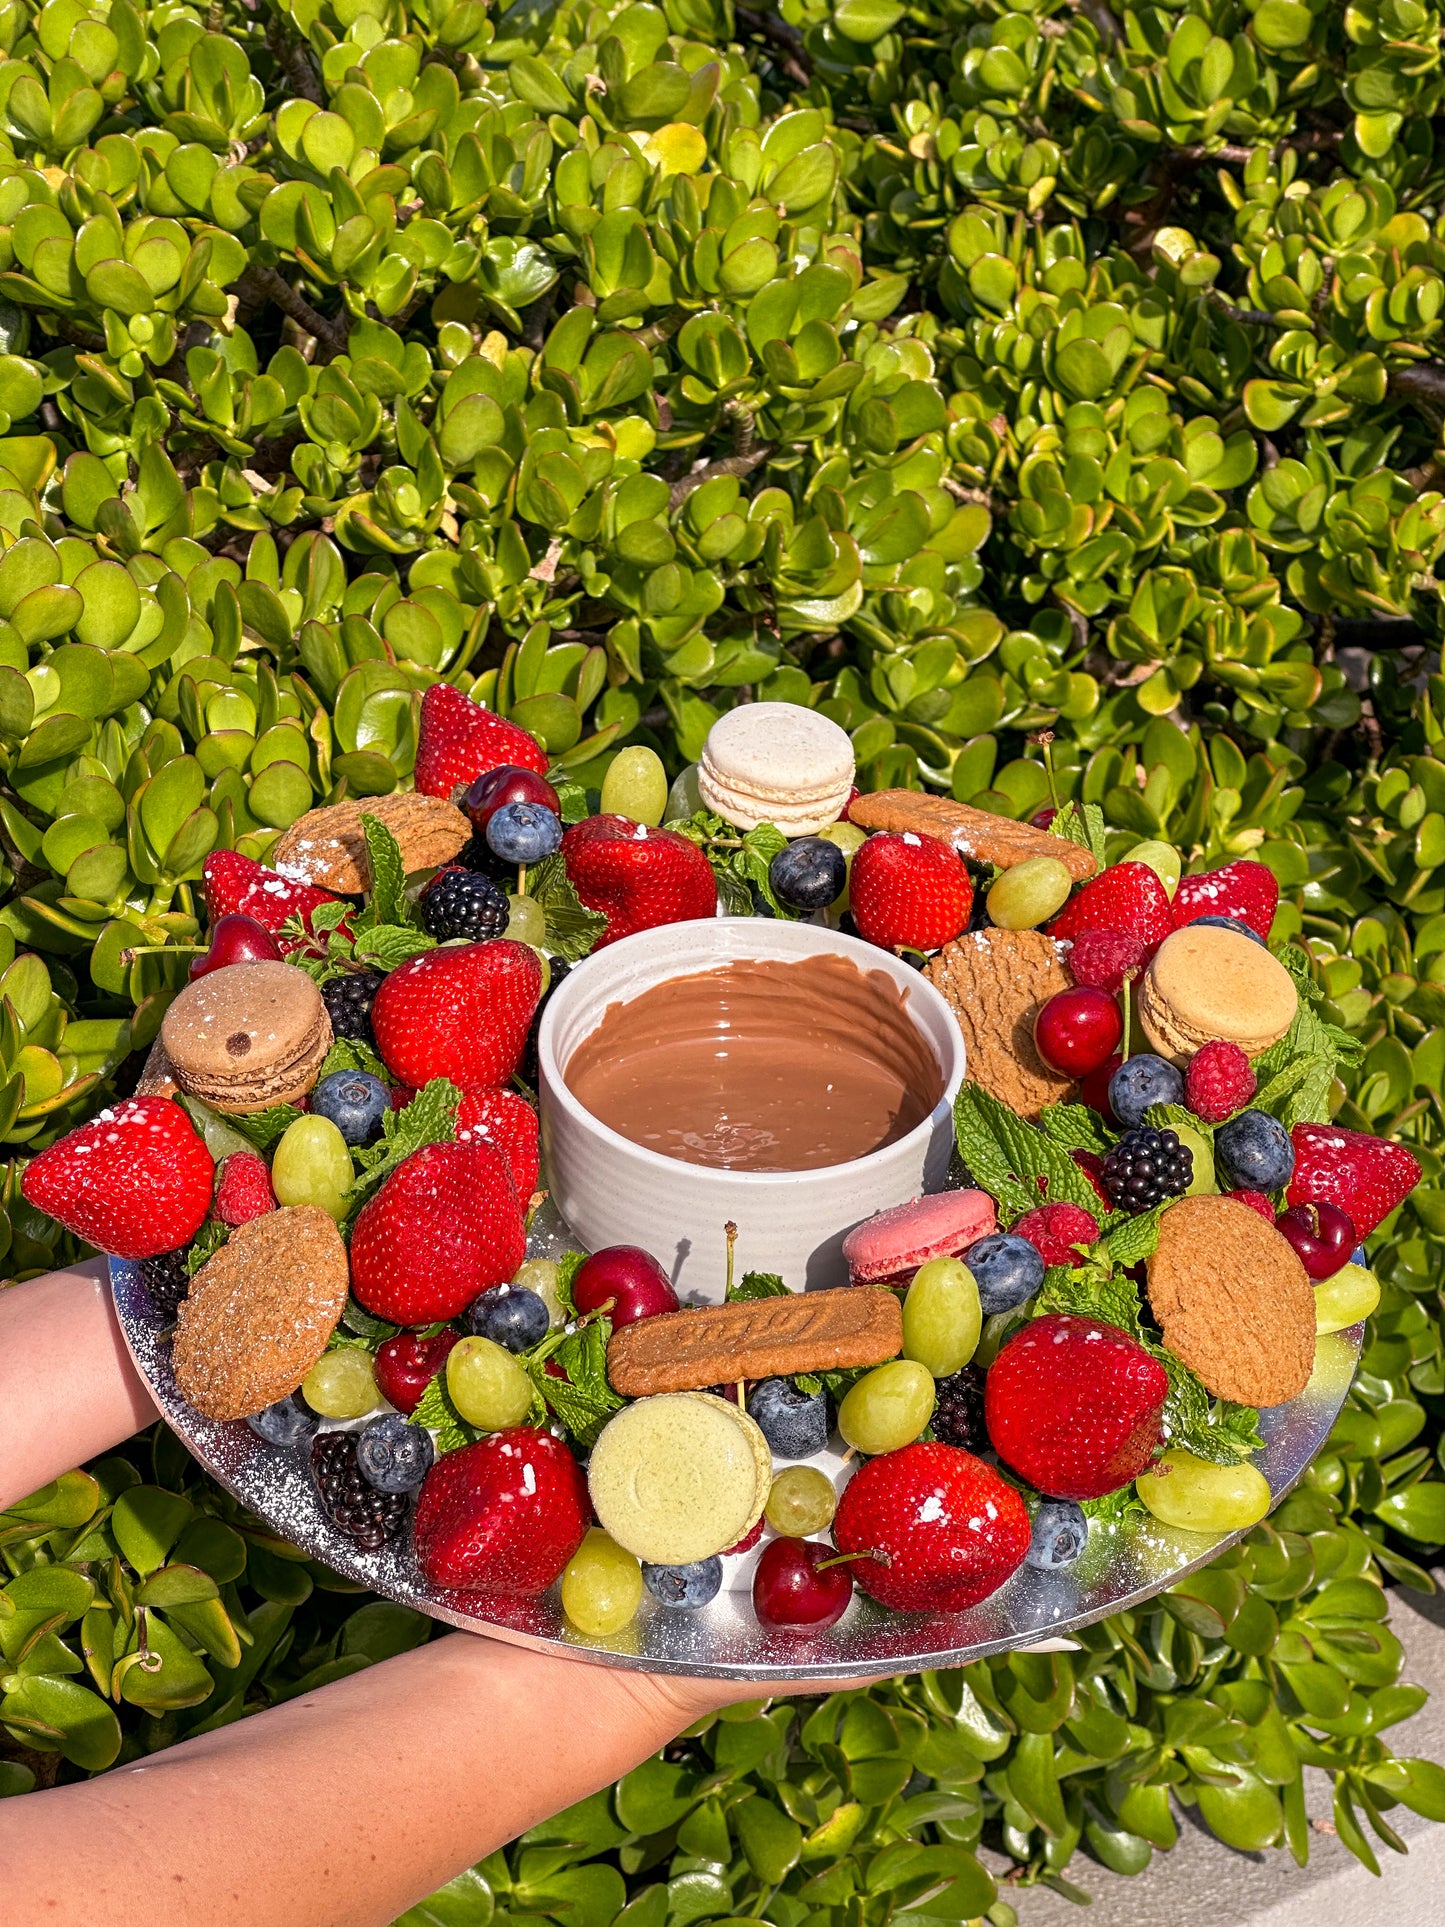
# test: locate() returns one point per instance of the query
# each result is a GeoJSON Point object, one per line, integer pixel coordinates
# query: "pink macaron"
{"type": "Point", "coordinates": [888, 1249]}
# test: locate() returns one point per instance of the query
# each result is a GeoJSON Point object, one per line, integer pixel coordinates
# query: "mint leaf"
{"type": "Point", "coordinates": [1217, 1431]}
{"type": "Point", "coordinates": [430, 1118]}
{"type": "Point", "coordinates": [753, 864]}
{"type": "Point", "coordinates": [583, 1402]}
{"type": "Point", "coordinates": [573, 801]}
{"type": "Point", "coordinates": [1115, 1507]}
{"type": "Point", "coordinates": [206, 1243]}
{"type": "Point", "coordinates": [1008, 1155]}
{"type": "Point", "coordinates": [386, 900]}
{"type": "Point", "coordinates": [758, 1284]}
{"type": "Point", "coordinates": [352, 1054]}
{"type": "Point", "coordinates": [389, 944]}
{"type": "Point", "coordinates": [1134, 1239]}
{"type": "Point", "coordinates": [376, 1330]}
{"type": "Point", "coordinates": [1082, 824]}
{"type": "Point", "coordinates": [438, 1414]}
{"type": "Point", "coordinates": [737, 898]}
{"type": "Point", "coordinates": [569, 929]}
{"type": "Point", "coordinates": [568, 1266]}
{"type": "Point", "coordinates": [1077, 1127]}
{"type": "Point", "coordinates": [343, 1341]}
{"type": "Point", "coordinates": [1090, 1291]}
{"type": "Point", "coordinates": [264, 1128]}
{"type": "Point", "coordinates": [1169, 1117]}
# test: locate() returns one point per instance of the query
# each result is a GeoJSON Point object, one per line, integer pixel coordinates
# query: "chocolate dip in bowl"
{"type": "Point", "coordinates": [780, 1076]}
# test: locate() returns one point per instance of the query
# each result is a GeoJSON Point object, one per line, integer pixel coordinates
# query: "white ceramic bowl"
{"type": "Point", "coordinates": [612, 1191]}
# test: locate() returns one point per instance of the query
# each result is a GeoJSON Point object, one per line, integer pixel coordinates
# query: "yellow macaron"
{"type": "Point", "coordinates": [679, 1477]}
{"type": "Point", "coordinates": [1205, 984]}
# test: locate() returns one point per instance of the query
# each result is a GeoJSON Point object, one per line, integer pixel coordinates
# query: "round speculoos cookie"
{"type": "Point", "coordinates": [247, 1037]}
{"type": "Point", "coordinates": [1233, 1301]}
{"type": "Point", "coordinates": [260, 1311]}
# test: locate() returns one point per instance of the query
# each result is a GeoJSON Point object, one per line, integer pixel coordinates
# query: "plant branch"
{"type": "Point", "coordinates": [291, 57]}
{"type": "Point", "coordinates": [258, 285]}
{"type": "Point", "coordinates": [1423, 383]}
{"type": "Point", "coordinates": [794, 58]}
{"type": "Point", "coordinates": [709, 471]}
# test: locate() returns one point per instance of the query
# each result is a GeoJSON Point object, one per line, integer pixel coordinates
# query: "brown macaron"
{"type": "Point", "coordinates": [1205, 985]}
{"type": "Point", "coordinates": [247, 1037]}
{"type": "Point", "coordinates": [327, 847]}
{"type": "Point", "coordinates": [1233, 1301]}
{"type": "Point", "coordinates": [259, 1313]}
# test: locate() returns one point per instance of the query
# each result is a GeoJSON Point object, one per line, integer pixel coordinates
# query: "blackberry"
{"type": "Point", "coordinates": [348, 1003]}
{"type": "Point", "coordinates": [480, 859]}
{"type": "Point", "coordinates": [367, 1517]}
{"type": "Point", "coordinates": [1145, 1167]}
{"type": "Point", "coordinates": [463, 903]}
{"type": "Point", "coordinates": [958, 1410]}
{"type": "Point", "coordinates": [166, 1279]}
{"type": "Point", "coordinates": [528, 1066]}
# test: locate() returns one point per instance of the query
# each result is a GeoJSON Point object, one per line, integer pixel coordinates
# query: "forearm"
{"type": "Point", "coordinates": [68, 1389]}
{"type": "Point", "coordinates": [345, 1807]}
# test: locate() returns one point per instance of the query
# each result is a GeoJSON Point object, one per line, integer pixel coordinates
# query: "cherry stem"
{"type": "Point", "coordinates": [128, 957]}
{"type": "Point", "coordinates": [1128, 990]}
{"type": "Point", "coordinates": [847, 1558]}
{"type": "Point", "coordinates": [730, 1232]}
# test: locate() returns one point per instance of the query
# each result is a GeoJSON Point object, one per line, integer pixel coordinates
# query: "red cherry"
{"type": "Point", "coordinates": [1094, 1089]}
{"type": "Point", "coordinates": [509, 784]}
{"type": "Point", "coordinates": [236, 939]}
{"type": "Point", "coordinates": [630, 1277]}
{"type": "Point", "coordinates": [1041, 819]}
{"type": "Point", "coordinates": [1322, 1235]}
{"type": "Point", "coordinates": [406, 1365]}
{"type": "Point", "coordinates": [790, 1590]}
{"type": "Point", "coordinates": [1078, 1030]}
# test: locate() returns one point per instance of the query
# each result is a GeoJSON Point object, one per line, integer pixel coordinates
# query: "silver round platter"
{"type": "Point", "coordinates": [1123, 1564]}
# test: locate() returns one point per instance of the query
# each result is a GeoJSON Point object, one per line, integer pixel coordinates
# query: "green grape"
{"type": "Point", "coordinates": [888, 1408]}
{"type": "Point", "coordinates": [684, 799]}
{"type": "Point", "coordinates": [635, 786]}
{"type": "Point", "coordinates": [1346, 1298]}
{"type": "Point", "coordinates": [1162, 859]}
{"type": "Point", "coordinates": [850, 840]}
{"type": "Point", "coordinates": [942, 1317]}
{"type": "Point", "coordinates": [312, 1165]}
{"type": "Point", "coordinates": [1030, 893]}
{"type": "Point", "coordinates": [540, 1275]}
{"type": "Point", "coordinates": [601, 1587]}
{"type": "Point", "coordinates": [342, 1384]}
{"type": "Point", "coordinates": [802, 1501]}
{"type": "Point", "coordinates": [1184, 1491]}
{"type": "Point", "coordinates": [488, 1386]}
{"type": "Point", "coordinates": [1204, 1180]}
{"type": "Point", "coordinates": [527, 923]}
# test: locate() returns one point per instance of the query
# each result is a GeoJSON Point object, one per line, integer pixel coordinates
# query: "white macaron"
{"type": "Point", "coordinates": [776, 763]}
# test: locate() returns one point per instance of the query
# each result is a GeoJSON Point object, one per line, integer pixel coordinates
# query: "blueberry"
{"type": "Point", "coordinates": [1229, 923]}
{"type": "Point", "coordinates": [1006, 1270]}
{"type": "Point", "coordinates": [685, 1587]}
{"type": "Point", "coordinates": [794, 1422]}
{"type": "Point", "coordinates": [355, 1101]}
{"type": "Point", "coordinates": [523, 832]}
{"type": "Point", "coordinates": [287, 1422]}
{"type": "Point", "coordinates": [509, 1315]}
{"type": "Point", "coordinates": [1141, 1081]}
{"type": "Point", "coordinates": [1060, 1530]}
{"type": "Point", "coordinates": [810, 874]}
{"type": "Point", "coordinates": [393, 1454]}
{"type": "Point", "coordinates": [1254, 1152]}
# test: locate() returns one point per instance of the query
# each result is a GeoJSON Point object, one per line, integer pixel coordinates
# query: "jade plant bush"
{"type": "Point", "coordinates": [1049, 391]}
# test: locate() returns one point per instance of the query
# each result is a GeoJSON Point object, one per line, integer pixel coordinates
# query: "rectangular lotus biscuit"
{"type": "Point", "coordinates": [977, 836]}
{"type": "Point", "coordinates": [812, 1331]}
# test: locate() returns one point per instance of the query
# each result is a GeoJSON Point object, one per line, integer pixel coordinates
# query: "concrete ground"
{"type": "Point", "coordinates": [1204, 1884]}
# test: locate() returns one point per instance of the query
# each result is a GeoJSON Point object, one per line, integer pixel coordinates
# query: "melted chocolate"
{"type": "Point", "coordinates": [760, 1066]}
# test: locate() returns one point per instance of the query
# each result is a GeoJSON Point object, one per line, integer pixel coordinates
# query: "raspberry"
{"type": "Point", "coordinates": [1256, 1200]}
{"type": "Point", "coordinates": [244, 1191]}
{"type": "Point", "coordinates": [1054, 1230]}
{"type": "Point", "coordinates": [1219, 1082]}
{"type": "Point", "coordinates": [1100, 959]}
{"type": "Point", "coordinates": [1145, 1167]}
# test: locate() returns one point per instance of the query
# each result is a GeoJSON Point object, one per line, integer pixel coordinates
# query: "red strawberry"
{"type": "Point", "coordinates": [1218, 1082]}
{"type": "Point", "coordinates": [244, 1191]}
{"type": "Point", "coordinates": [503, 1516]}
{"type": "Point", "coordinates": [909, 891]}
{"type": "Point", "coordinates": [135, 1181]}
{"type": "Point", "coordinates": [1365, 1176]}
{"type": "Point", "coordinates": [1128, 897]}
{"type": "Point", "coordinates": [1243, 890]}
{"type": "Point", "coordinates": [459, 740]}
{"type": "Point", "coordinates": [1055, 1229]}
{"type": "Point", "coordinates": [637, 877]}
{"type": "Point", "coordinates": [1092, 1166]}
{"type": "Point", "coordinates": [1101, 959]}
{"type": "Point", "coordinates": [406, 1365]}
{"type": "Point", "coordinates": [1257, 1201]}
{"type": "Point", "coordinates": [239, 886]}
{"type": "Point", "coordinates": [460, 1012]}
{"type": "Point", "coordinates": [1076, 1407]}
{"type": "Point", "coordinates": [508, 1121]}
{"type": "Point", "coordinates": [444, 1227]}
{"type": "Point", "coordinates": [944, 1529]}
